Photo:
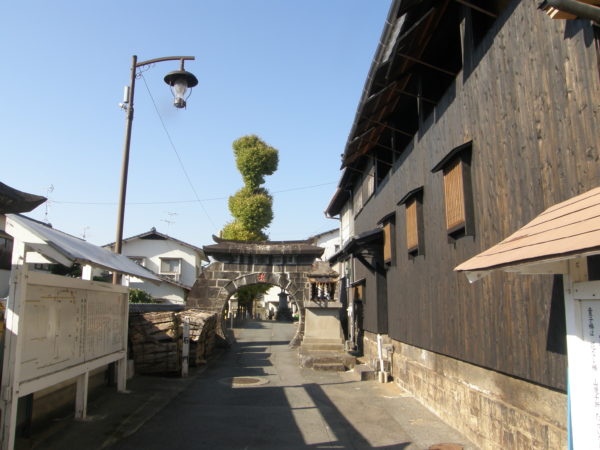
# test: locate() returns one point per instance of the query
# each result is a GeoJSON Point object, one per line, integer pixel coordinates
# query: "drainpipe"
{"type": "Point", "coordinates": [382, 374]}
{"type": "Point", "coordinates": [579, 9]}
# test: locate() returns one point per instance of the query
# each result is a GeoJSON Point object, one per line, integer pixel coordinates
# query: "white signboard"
{"type": "Point", "coordinates": [70, 324]}
{"type": "Point", "coordinates": [590, 375]}
{"type": "Point", "coordinates": [582, 303]}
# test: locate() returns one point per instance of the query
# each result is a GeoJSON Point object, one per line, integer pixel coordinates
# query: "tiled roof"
{"type": "Point", "coordinates": [225, 246]}
{"type": "Point", "coordinates": [154, 233]}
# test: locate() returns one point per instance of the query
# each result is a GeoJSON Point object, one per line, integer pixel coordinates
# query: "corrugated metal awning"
{"type": "Point", "coordinates": [567, 229]}
{"type": "Point", "coordinates": [65, 249]}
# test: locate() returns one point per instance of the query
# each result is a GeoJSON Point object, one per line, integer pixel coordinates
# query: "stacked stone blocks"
{"type": "Point", "coordinates": [493, 410]}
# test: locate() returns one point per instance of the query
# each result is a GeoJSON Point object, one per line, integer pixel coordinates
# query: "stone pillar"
{"type": "Point", "coordinates": [323, 342]}
{"type": "Point", "coordinates": [283, 310]}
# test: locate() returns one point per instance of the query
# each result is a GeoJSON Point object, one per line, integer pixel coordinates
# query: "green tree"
{"type": "Point", "coordinates": [252, 206]}
{"type": "Point", "coordinates": [139, 296]}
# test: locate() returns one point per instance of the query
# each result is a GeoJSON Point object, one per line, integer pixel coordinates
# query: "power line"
{"type": "Point", "coordinates": [300, 188]}
{"type": "Point", "coordinates": [177, 154]}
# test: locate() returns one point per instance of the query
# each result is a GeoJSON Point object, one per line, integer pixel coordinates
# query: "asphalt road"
{"type": "Point", "coordinates": [257, 397]}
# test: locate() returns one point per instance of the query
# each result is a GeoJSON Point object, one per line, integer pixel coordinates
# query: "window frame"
{"type": "Point", "coordinates": [163, 272]}
{"type": "Point", "coordinates": [458, 157]}
{"type": "Point", "coordinates": [359, 286]}
{"type": "Point", "coordinates": [140, 260]}
{"type": "Point", "coordinates": [417, 227]}
{"type": "Point", "coordinates": [388, 224]}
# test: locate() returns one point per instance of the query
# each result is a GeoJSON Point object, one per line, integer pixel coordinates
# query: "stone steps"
{"type": "Point", "coordinates": [326, 360]}
{"type": "Point", "coordinates": [339, 348]}
{"type": "Point", "coordinates": [329, 366]}
{"type": "Point", "coordinates": [360, 372]}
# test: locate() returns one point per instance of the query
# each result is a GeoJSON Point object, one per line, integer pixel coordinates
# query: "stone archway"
{"type": "Point", "coordinates": [236, 264]}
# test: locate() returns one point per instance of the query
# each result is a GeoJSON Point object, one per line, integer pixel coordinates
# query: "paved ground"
{"type": "Point", "coordinates": [254, 397]}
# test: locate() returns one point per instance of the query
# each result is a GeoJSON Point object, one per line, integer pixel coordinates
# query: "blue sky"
{"type": "Point", "coordinates": [291, 72]}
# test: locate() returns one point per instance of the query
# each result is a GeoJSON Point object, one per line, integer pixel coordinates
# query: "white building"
{"type": "Point", "coordinates": [177, 263]}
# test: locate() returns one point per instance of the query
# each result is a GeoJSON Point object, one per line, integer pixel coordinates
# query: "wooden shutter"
{"type": "Point", "coordinates": [358, 292]}
{"type": "Point", "coordinates": [454, 196]}
{"type": "Point", "coordinates": [412, 233]}
{"type": "Point", "coordinates": [387, 242]}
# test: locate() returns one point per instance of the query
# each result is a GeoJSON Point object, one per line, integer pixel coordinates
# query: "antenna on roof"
{"type": "Point", "coordinates": [169, 221]}
{"type": "Point", "coordinates": [49, 191]}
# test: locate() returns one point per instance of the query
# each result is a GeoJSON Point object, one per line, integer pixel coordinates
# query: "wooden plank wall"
{"type": "Point", "coordinates": [531, 107]}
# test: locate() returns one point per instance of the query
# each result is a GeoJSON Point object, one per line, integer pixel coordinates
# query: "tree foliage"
{"type": "Point", "coordinates": [254, 159]}
{"type": "Point", "coordinates": [252, 205]}
{"type": "Point", "coordinates": [234, 230]}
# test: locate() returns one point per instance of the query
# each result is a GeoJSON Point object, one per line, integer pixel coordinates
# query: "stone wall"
{"type": "Point", "coordinates": [219, 281]}
{"type": "Point", "coordinates": [493, 410]}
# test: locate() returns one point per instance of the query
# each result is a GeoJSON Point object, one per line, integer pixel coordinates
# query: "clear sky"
{"type": "Point", "coordinates": [290, 71]}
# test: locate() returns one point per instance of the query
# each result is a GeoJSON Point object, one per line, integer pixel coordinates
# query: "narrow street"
{"type": "Point", "coordinates": [256, 397]}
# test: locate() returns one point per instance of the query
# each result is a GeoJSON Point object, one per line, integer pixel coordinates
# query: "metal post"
{"type": "Point", "coordinates": [125, 166]}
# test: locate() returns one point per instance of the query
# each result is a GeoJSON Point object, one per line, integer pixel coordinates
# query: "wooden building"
{"type": "Point", "coordinates": [475, 117]}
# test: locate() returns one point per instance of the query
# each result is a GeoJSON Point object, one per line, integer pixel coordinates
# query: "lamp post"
{"type": "Point", "coordinates": [180, 81]}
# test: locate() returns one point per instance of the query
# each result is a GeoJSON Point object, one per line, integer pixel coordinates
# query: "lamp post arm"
{"type": "Point", "coordinates": [165, 58]}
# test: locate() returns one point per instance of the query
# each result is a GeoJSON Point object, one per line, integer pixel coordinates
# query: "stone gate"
{"type": "Point", "coordinates": [287, 264]}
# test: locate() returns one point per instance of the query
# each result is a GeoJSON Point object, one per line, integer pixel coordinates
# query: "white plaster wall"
{"type": "Point", "coordinates": [152, 250]}
{"type": "Point", "coordinates": [346, 223]}
{"type": "Point", "coordinates": [331, 243]}
{"type": "Point", "coordinates": [174, 294]}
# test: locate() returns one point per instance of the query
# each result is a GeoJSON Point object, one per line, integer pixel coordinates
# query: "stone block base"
{"type": "Point", "coordinates": [324, 354]}
{"type": "Point", "coordinates": [493, 410]}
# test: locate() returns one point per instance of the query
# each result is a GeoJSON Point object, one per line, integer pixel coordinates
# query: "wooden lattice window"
{"type": "Point", "coordinates": [458, 194]}
{"type": "Point", "coordinates": [387, 225]}
{"type": "Point", "coordinates": [454, 195]}
{"type": "Point", "coordinates": [387, 242]}
{"type": "Point", "coordinates": [359, 292]}
{"type": "Point", "coordinates": [412, 228]}
{"type": "Point", "coordinates": [413, 207]}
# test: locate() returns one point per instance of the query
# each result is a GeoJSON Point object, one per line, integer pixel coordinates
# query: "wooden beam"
{"type": "Point", "coordinates": [417, 96]}
{"type": "Point", "coordinates": [405, 133]}
{"type": "Point", "coordinates": [476, 8]}
{"type": "Point", "coordinates": [426, 64]}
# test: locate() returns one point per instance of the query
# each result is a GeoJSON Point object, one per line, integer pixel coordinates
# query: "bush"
{"type": "Point", "coordinates": [139, 296]}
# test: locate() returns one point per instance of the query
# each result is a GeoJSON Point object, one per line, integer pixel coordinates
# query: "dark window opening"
{"type": "Point", "coordinates": [593, 263]}
{"type": "Point", "coordinates": [444, 57]}
{"type": "Point", "coordinates": [384, 160]}
{"type": "Point", "coordinates": [6, 246]}
{"type": "Point", "coordinates": [482, 22]}
{"type": "Point", "coordinates": [556, 341]}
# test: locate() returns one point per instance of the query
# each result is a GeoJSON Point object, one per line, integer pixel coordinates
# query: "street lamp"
{"type": "Point", "coordinates": [180, 81]}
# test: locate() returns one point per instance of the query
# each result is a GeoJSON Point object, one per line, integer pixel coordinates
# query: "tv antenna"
{"type": "Point", "coordinates": [49, 191]}
{"type": "Point", "coordinates": [170, 220]}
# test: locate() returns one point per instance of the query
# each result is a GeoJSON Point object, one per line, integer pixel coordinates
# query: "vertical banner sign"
{"type": "Point", "coordinates": [591, 337]}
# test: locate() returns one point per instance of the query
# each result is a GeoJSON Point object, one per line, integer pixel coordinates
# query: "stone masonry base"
{"type": "Point", "coordinates": [493, 410]}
